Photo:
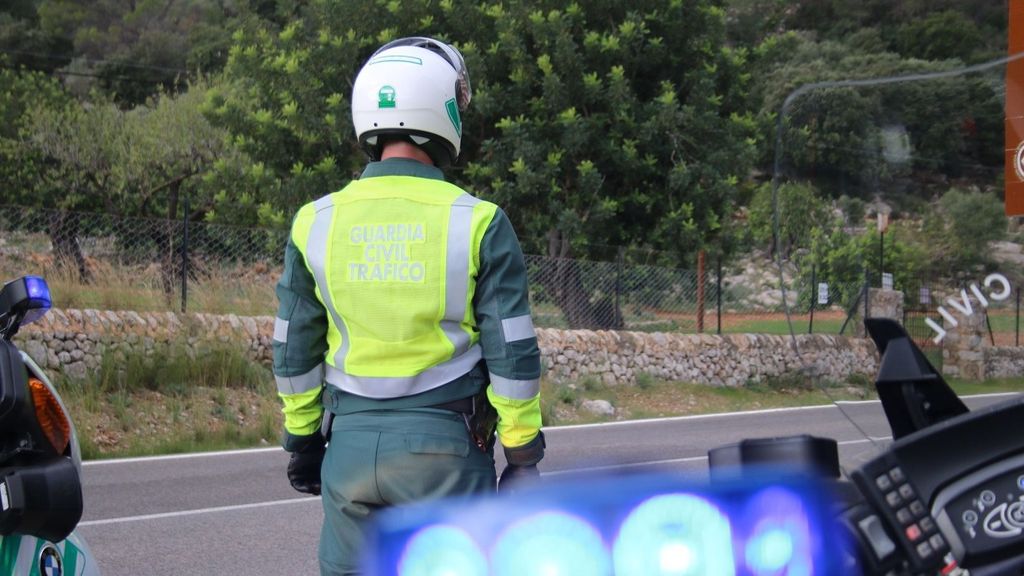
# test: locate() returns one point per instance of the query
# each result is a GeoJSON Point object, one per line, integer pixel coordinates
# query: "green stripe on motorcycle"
{"type": "Point", "coordinates": [71, 554]}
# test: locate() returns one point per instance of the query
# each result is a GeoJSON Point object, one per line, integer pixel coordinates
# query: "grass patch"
{"type": "Point", "coordinates": [219, 288]}
{"type": "Point", "coordinates": [965, 388]}
{"type": "Point", "coordinates": [171, 401]}
{"type": "Point", "coordinates": [659, 398]}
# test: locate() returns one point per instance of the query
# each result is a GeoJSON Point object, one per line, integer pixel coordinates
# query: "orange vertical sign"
{"type": "Point", "coordinates": [1014, 130]}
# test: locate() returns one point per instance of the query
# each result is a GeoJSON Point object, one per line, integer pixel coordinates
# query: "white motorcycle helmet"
{"type": "Point", "coordinates": [413, 89]}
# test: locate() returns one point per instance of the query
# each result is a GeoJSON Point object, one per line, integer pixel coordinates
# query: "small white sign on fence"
{"type": "Point", "coordinates": [886, 281]}
{"type": "Point", "coordinates": [924, 295]}
{"type": "Point", "coordinates": [822, 293]}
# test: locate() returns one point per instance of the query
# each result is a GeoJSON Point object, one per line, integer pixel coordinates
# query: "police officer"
{"type": "Point", "coordinates": [403, 307]}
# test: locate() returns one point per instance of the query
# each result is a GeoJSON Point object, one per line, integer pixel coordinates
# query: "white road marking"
{"type": "Point", "coordinates": [184, 456]}
{"type": "Point", "coordinates": [748, 412]}
{"type": "Point", "coordinates": [181, 513]}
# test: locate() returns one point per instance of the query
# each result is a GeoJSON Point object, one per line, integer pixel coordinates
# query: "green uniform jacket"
{"type": "Point", "coordinates": [501, 310]}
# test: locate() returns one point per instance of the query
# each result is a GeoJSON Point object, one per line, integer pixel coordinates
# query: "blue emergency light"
{"type": "Point", "coordinates": [39, 301]}
{"type": "Point", "coordinates": [649, 525]}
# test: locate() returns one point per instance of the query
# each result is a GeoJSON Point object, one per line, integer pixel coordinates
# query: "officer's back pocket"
{"type": "Point", "coordinates": [437, 444]}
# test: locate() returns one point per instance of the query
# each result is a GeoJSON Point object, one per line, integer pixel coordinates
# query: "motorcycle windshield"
{"type": "Point", "coordinates": [896, 193]}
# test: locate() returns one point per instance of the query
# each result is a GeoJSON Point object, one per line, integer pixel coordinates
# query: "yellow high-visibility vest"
{"type": "Point", "coordinates": [395, 260]}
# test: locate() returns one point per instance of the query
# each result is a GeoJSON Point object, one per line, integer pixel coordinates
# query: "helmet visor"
{"type": "Point", "coordinates": [463, 91]}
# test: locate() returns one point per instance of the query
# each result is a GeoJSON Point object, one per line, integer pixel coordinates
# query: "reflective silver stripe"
{"type": "Point", "coordinates": [27, 558]}
{"type": "Point", "coordinates": [456, 274]}
{"type": "Point", "coordinates": [316, 253]}
{"type": "Point", "coordinates": [387, 387]}
{"type": "Point", "coordinates": [518, 328]}
{"type": "Point", "coordinates": [302, 382]}
{"type": "Point", "coordinates": [280, 330]}
{"type": "Point", "coordinates": [515, 389]}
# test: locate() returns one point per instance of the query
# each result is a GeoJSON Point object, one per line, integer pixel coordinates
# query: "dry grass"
{"type": "Point", "coordinates": [243, 289]}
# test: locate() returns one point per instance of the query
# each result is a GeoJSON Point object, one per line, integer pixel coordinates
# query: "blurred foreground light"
{"type": "Point", "coordinates": [441, 550]}
{"type": "Point", "coordinates": [550, 544]}
{"type": "Point", "coordinates": [778, 534]}
{"type": "Point", "coordinates": [674, 534]}
{"type": "Point", "coordinates": [624, 525]}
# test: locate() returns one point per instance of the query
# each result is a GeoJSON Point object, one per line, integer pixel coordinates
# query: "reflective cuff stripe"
{"type": "Point", "coordinates": [518, 420]}
{"type": "Point", "coordinates": [515, 389]}
{"type": "Point", "coordinates": [280, 330]}
{"type": "Point", "coordinates": [27, 558]}
{"type": "Point", "coordinates": [301, 383]}
{"type": "Point", "coordinates": [386, 387]}
{"type": "Point", "coordinates": [518, 328]}
{"type": "Point", "coordinates": [302, 412]}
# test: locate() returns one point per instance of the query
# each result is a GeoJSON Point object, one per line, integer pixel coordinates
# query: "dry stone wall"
{"type": "Point", "coordinates": [75, 341]}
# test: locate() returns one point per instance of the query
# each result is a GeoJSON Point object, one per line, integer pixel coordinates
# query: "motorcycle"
{"type": "Point", "coordinates": [946, 497]}
{"type": "Point", "coordinates": [40, 459]}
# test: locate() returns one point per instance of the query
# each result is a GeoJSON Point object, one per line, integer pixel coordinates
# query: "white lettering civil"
{"type": "Point", "coordinates": [964, 306]}
{"type": "Point", "coordinates": [386, 252]}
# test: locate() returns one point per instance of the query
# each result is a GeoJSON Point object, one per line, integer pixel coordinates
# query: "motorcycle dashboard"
{"type": "Point", "coordinates": [957, 486]}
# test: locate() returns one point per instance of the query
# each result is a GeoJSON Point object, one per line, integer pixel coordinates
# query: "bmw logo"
{"type": "Point", "coordinates": [49, 561]}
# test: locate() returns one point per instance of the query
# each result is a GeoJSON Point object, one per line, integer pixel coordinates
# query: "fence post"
{"type": "Point", "coordinates": [718, 289]}
{"type": "Point", "coordinates": [700, 292]}
{"type": "Point", "coordinates": [1016, 331]}
{"type": "Point", "coordinates": [184, 259]}
{"type": "Point", "coordinates": [814, 297]}
{"type": "Point", "coordinates": [867, 292]}
{"type": "Point", "coordinates": [618, 287]}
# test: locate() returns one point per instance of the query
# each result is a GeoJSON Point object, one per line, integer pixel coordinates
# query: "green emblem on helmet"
{"type": "Point", "coordinates": [453, 114]}
{"type": "Point", "coordinates": [386, 97]}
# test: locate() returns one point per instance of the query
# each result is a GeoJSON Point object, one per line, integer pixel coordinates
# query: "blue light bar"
{"type": "Point", "coordinates": [38, 291]}
{"type": "Point", "coordinates": [627, 525]}
{"type": "Point", "coordinates": [39, 302]}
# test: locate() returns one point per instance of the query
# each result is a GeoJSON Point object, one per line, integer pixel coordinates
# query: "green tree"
{"type": "Point", "coordinates": [133, 50]}
{"type": "Point", "coordinates": [800, 211]}
{"type": "Point", "coordinates": [604, 115]}
{"type": "Point", "coordinates": [24, 43]}
{"type": "Point", "coordinates": [864, 140]}
{"type": "Point", "coordinates": [959, 229]}
{"type": "Point", "coordinates": [132, 163]}
{"type": "Point", "coordinates": [939, 36]}
{"type": "Point", "coordinates": [25, 93]}
{"type": "Point", "coordinates": [841, 259]}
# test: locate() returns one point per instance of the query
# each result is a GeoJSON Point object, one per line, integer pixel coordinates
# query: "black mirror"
{"type": "Point", "coordinates": [913, 393]}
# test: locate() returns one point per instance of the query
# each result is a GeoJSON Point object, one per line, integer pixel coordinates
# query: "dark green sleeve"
{"type": "Point", "coordinates": [502, 305]}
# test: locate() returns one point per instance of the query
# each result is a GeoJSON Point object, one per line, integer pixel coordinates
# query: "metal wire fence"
{"type": "Point", "coordinates": [107, 262]}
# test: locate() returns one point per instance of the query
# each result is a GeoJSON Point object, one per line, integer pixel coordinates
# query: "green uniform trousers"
{"type": "Point", "coordinates": [384, 458]}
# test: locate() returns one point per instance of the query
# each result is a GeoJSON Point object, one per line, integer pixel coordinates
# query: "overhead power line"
{"type": "Point", "coordinates": [97, 61]}
{"type": "Point", "coordinates": [138, 79]}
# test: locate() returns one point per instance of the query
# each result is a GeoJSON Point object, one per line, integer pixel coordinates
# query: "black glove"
{"type": "Point", "coordinates": [522, 464]}
{"type": "Point", "coordinates": [305, 463]}
{"type": "Point", "coordinates": [513, 477]}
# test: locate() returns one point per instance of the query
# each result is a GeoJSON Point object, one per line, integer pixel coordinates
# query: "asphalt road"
{"type": "Point", "coordinates": [234, 512]}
